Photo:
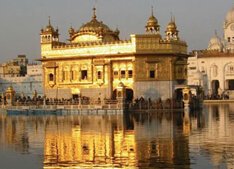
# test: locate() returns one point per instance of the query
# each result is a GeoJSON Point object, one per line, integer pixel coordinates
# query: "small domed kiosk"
{"type": "Point", "coordinates": [10, 96]}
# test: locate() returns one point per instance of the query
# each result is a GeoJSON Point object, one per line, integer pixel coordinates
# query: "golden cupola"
{"type": "Point", "coordinates": [94, 30]}
{"type": "Point", "coordinates": [49, 34]}
{"type": "Point", "coordinates": [152, 25]}
{"type": "Point", "coordinates": [171, 31]}
{"type": "Point", "coordinates": [49, 28]}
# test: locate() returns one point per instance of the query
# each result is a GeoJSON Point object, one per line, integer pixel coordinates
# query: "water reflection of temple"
{"type": "Point", "coordinates": [145, 140]}
{"type": "Point", "coordinates": [22, 133]}
{"type": "Point", "coordinates": [89, 141]}
{"type": "Point", "coordinates": [212, 133]}
{"type": "Point", "coordinates": [95, 141]}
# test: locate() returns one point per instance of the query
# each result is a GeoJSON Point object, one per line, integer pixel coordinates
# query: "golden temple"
{"type": "Point", "coordinates": [95, 61]}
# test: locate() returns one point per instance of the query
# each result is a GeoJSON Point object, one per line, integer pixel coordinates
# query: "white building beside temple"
{"type": "Point", "coordinates": [213, 68]}
{"type": "Point", "coordinates": [25, 85]}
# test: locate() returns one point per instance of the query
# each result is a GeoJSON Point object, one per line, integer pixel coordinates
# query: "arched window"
{"type": "Point", "coordinates": [229, 69]}
{"type": "Point", "coordinates": [99, 74]}
{"type": "Point", "coordinates": [51, 77]}
{"type": "Point", "coordinates": [84, 74]}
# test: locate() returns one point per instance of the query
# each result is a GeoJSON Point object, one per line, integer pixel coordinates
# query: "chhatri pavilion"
{"type": "Point", "coordinates": [95, 61]}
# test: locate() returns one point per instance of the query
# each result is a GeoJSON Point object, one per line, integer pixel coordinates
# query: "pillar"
{"type": "Point", "coordinates": [186, 97]}
{"type": "Point", "coordinates": [121, 95]}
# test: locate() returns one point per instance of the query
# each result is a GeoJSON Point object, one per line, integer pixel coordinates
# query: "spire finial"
{"type": "Point", "coordinates": [152, 10]}
{"type": "Point", "coordinates": [94, 13]}
{"type": "Point", "coordinates": [172, 17]}
{"type": "Point", "coordinates": [49, 21]}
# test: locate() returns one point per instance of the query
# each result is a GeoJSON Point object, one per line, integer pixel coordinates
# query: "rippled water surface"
{"type": "Point", "coordinates": [174, 140]}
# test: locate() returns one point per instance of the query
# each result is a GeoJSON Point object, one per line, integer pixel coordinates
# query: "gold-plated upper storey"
{"type": "Point", "coordinates": [95, 38]}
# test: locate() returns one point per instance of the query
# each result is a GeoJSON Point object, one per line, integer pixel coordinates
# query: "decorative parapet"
{"type": "Point", "coordinates": [87, 49]}
{"type": "Point", "coordinates": [88, 44]}
{"type": "Point", "coordinates": [211, 53]}
{"type": "Point", "coordinates": [137, 44]}
{"type": "Point", "coordinates": [155, 44]}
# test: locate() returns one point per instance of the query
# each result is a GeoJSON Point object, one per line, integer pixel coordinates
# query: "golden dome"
{"type": "Point", "coordinates": [49, 28]}
{"type": "Point", "coordinates": [94, 30]}
{"type": "Point", "coordinates": [171, 27]}
{"type": "Point", "coordinates": [171, 30]}
{"type": "Point", "coordinates": [152, 21]}
{"type": "Point", "coordinates": [152, 25]}
{"type": "Point", "coordinates": [94, 26]}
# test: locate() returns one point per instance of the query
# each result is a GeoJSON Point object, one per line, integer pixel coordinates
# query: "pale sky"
{"type": "Point", "coordinates": [21, 20]}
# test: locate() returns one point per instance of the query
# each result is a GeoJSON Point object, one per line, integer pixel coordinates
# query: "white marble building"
{"type": "Point", "coordinates": [25, 85]}
{"type": "Point", "coordinates": [213, 69]}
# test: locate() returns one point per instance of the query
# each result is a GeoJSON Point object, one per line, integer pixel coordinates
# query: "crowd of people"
{"type": "Point", "coordinates": [138, 103]}
{"type": "Point", "coordinates": [223, 96]}
{"type": "Point", "coordinates": [142, 103]}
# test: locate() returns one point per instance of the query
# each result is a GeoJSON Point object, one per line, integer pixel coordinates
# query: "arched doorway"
{"type": "Point", "coordinates": [178, 94]}
{"type": "Point", "coordinates": [231, 84]}
{"type": "Point", "coordinates": [215, 87]}
{"type": "Point", "coordinates": [129, 95]}
{"type": "Point", "coordinates": [114, 94]}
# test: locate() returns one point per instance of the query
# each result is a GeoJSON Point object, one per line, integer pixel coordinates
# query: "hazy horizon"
{"type": "Point", "coordinates": [22, 20]}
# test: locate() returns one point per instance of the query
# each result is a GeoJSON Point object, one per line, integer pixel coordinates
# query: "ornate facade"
{"type": "Point", "coordinates": [95, 61]}
{"type": "Point", "coordinates": [213, 69]}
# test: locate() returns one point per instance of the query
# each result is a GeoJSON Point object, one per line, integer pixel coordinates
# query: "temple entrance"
{"type": "Point", "coordinates": [178, 94]}
{"type": "Point", "coordinates": [129, 95]}
{"type": "Point", "coordinates": [215, 87]}
{"type": "Point", "coordinates": [230, 84]}
{"type": "Point", "coordinates": [114, 95]}
{"type": "Point", "coordinates": [75, 96]}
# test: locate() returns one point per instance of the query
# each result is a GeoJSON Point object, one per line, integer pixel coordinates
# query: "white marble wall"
{"type": "Point", "coordinates": [153, 90]}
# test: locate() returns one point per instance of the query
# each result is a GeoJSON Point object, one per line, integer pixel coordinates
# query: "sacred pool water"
{"type": "Point", "coordinates": [175, 140]}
